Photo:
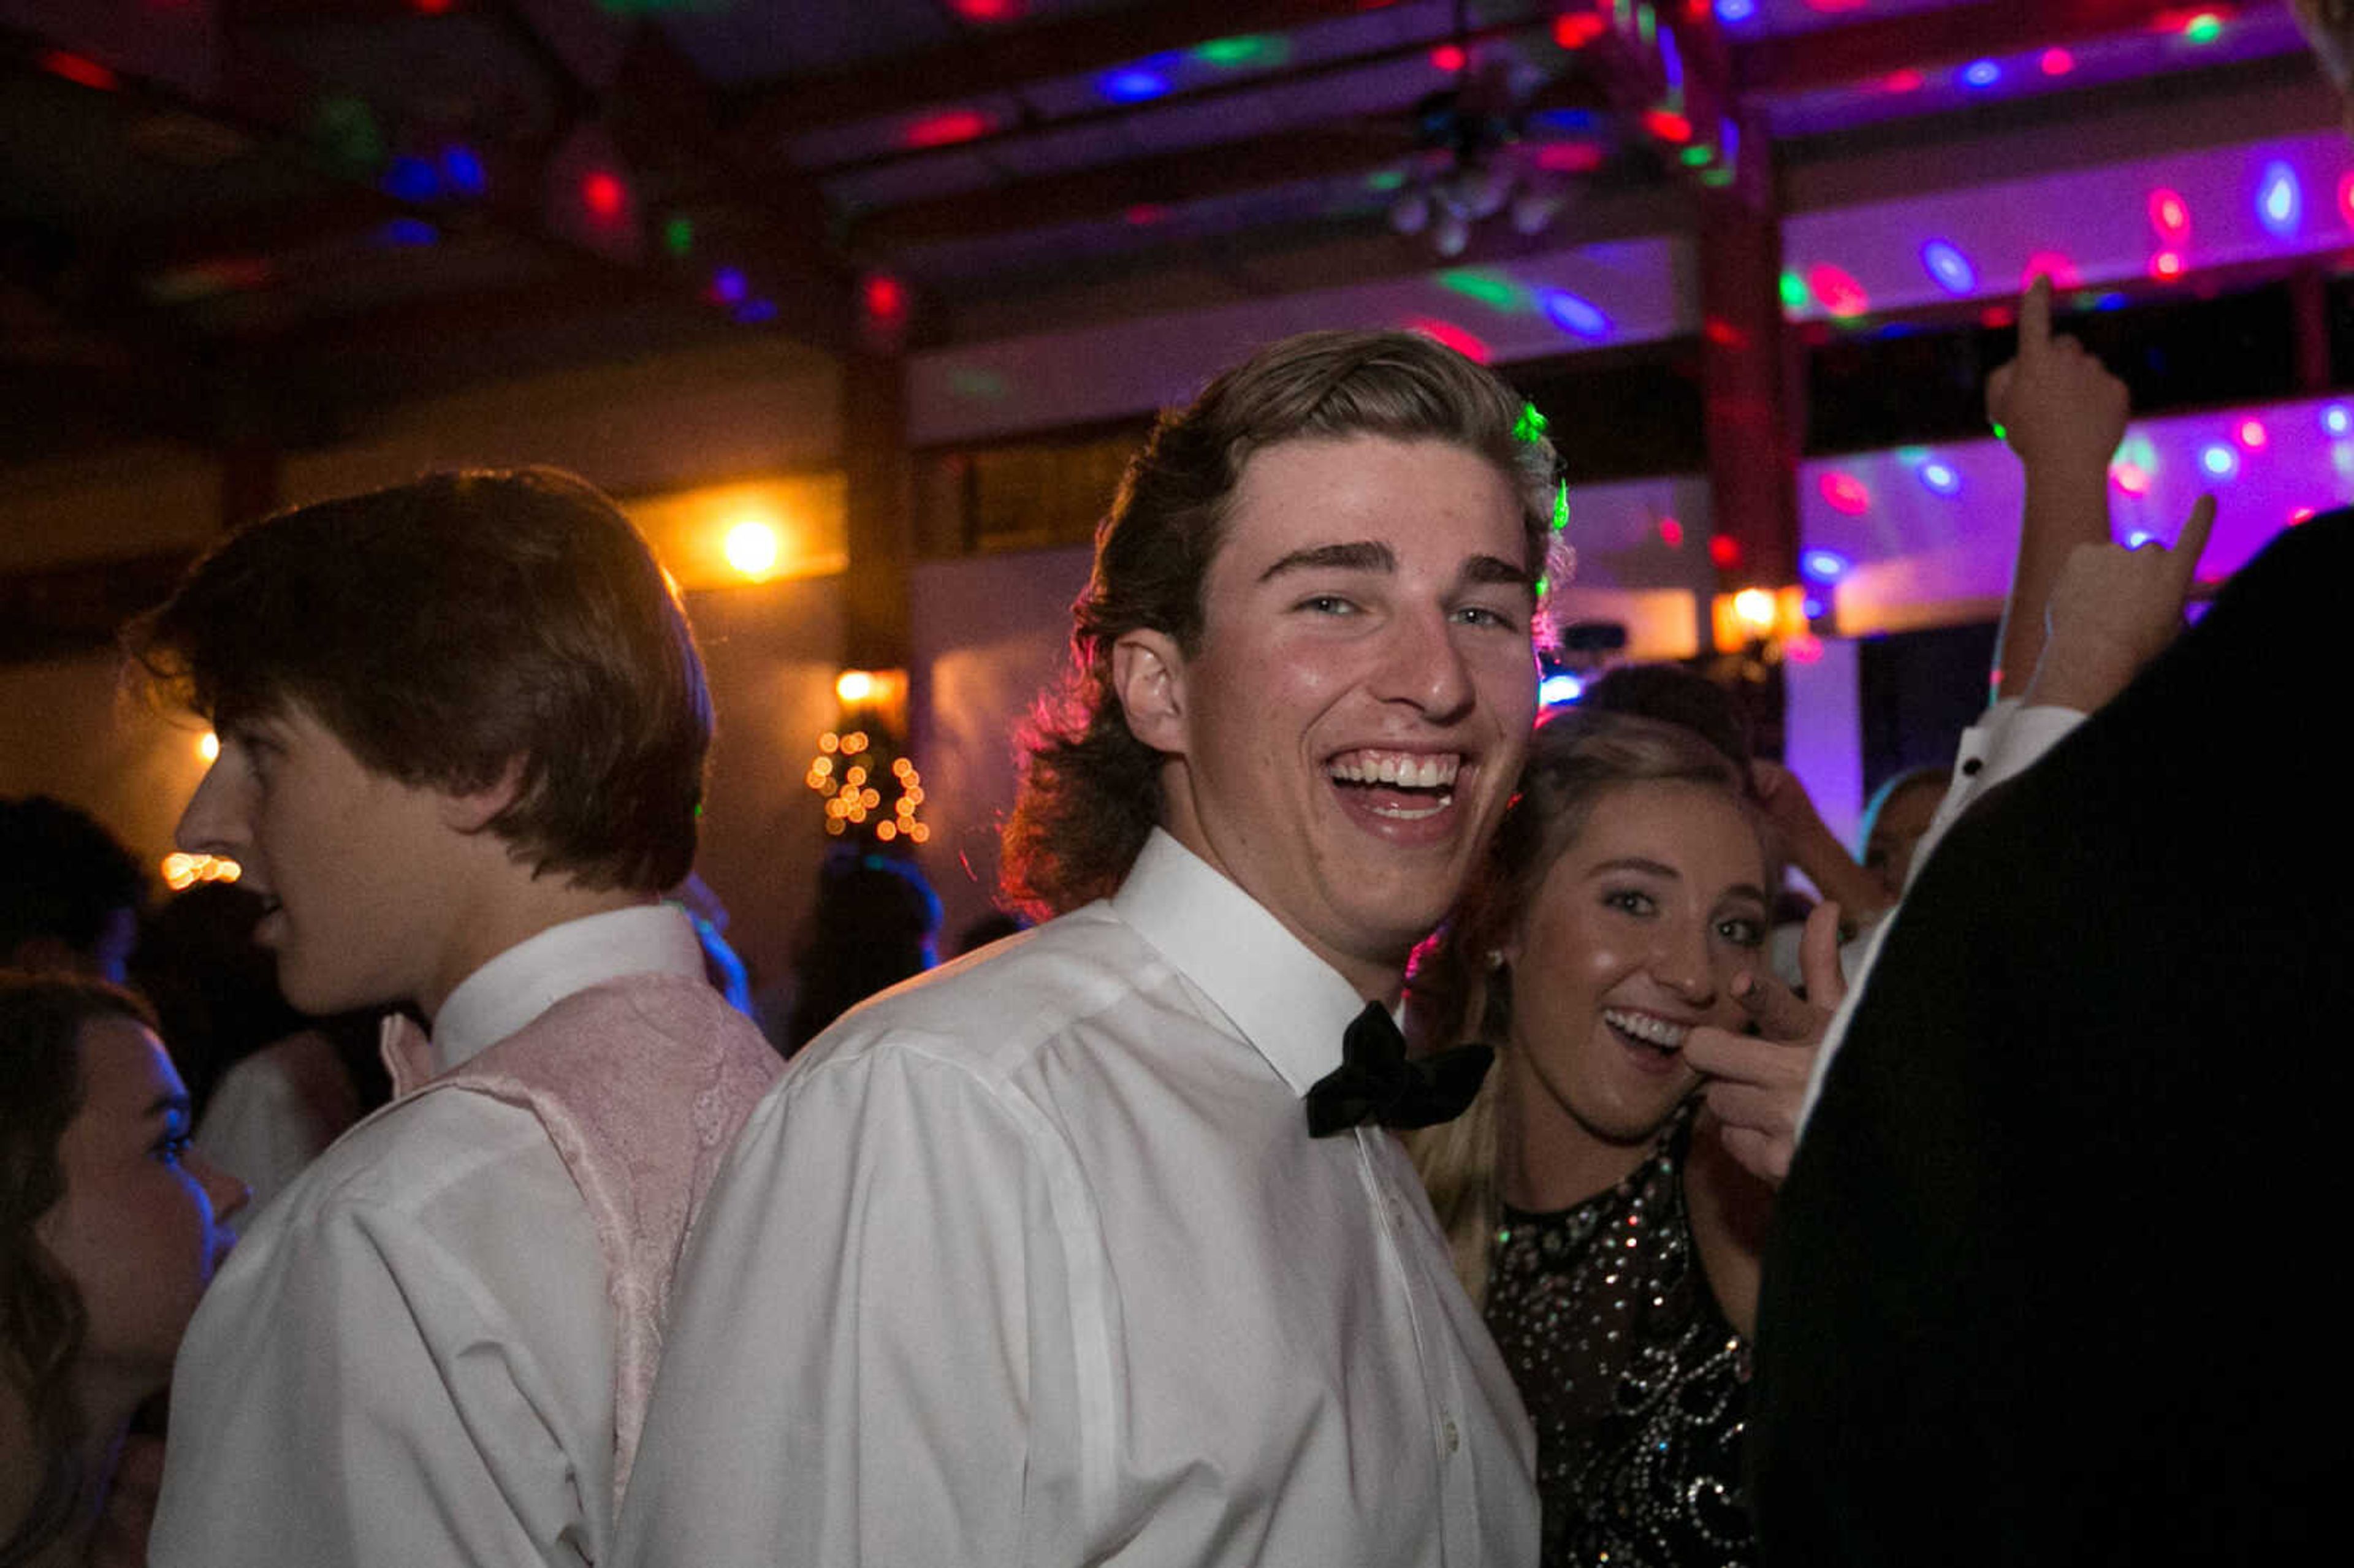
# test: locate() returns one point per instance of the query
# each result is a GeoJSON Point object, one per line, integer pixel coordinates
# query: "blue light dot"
{"type": "Point", "coordinates": [1949, 267]}
{"type": "Point", "coordinates": [1813, 607]}
{"type": "Point", "coordinates": [728, 287]}
{"type": "Point", "coordinates": [2219, 460]}
{"type": "Point", "coordinates": [2137, 539]}
{"type": "Point", "coordinates": [1132, 85]}
{"type": "Point", "coordinates": [2336, 420]}
{"type": "Point", "coordinates": [1981, 73]}
{"type": "Point", "coordinates": [751, 312]}
{"type": "Point", "coordinates": [1940, 478]}
{"type": "Point", "coordinates": [2280, 200]}
{"type": "Point", "coordinates": [1731, 11]}
{"type": "Point", "coordinates": [412, 179]}
{"type": "Point", "coordinates": [1577, 317]}
{"type": "Point", "coordinates": [404, 232]}
{"type": "Point", "coordinates": [1556, 690]}
{"type": "Point", "coordinates": [1825, 566]}
{"type": "Point", "coordinates": [463, 171]}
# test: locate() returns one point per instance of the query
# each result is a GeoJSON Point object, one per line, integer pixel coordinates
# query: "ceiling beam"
{"type": "Point", "coordinates": [1859, 51]}
{"type": "Point", "coordinates": [1001, 60]}
{"type": "Point", "coordinates": [1197, 173]}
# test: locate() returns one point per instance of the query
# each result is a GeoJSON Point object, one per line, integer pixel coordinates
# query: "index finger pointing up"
{"type": "Point", "coordinates": [2191, 543]}
{"type": "Point", "coordinates": [2035, 317]}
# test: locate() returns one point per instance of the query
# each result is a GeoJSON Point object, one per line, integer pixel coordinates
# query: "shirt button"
{"type": "Point", "coordinates": [1453, 1438]}
{"type": "Point", "coordinates": [1971, 769]}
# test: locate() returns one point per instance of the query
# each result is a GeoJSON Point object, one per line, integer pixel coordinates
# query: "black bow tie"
{"type": "Point", "coordinates": [1377, 1082]}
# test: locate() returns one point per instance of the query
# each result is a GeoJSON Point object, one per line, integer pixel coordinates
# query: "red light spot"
{"type": "Point", "coordinates": [2131, 478]}
{"type": "Point", "coordinates": [1671, 533]}
{"type": "Point", "coordinates": [2057, 63]}
{"type": "Point", "coordinates": [1838, 290]}
{"type": "Point", "coordinates": [2299, 515]}
{"type": "Point", "coordinates": [2048, 264]}
{"type": "Point", "coordinates": [1806, 648]}
{"type": "Point", "coordinates": [885, 297]}
{"type": "Point", "coordinates": [429, 7]}
{"type": "Point", "coordinates": [1835, 6]}
{"type": "Point", "coordinates": [1725, 334]}
{"type": "Point", "coordinates": [1578, 29]}
{"type": "Point", "coordinates": [1996, 316]}
{"type": "Point", "coordinates": [1569, 157]}
{"type": "Point", "coordinates": [1144, 212]}
{"type": "Point", "coordinates": [603, 194]}
{"type": "Point", "coordinates": [1906, 81]}
{"type": "Point", "coordinates": [1448, 57]}
{"type": "Point", "coordinates": [948, 126]}
{"type": "Point", "coordinates": [2170, 215]}
{"type": "Point", "coordinates": [2253, 436]}
{"type": "Point", "coordinates": [2166, 266]}
{"type": "Point", "coordinates": [1667, 125]}
{"type": "Point", "coordinates": [1453, 337]}
{"type": "Point", "coordinates": [81, 72]}
{"type": "Point", "coordinates": [1725, 552]}
{"type": "Point", "coordinates": [986, 10]}
{"type": "Point", "coordinates": [1845, 494]}
{"type": "Point", "coordinates": [2346, 197]}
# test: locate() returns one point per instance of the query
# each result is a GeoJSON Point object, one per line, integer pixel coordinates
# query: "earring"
{"type": "Point", "coordinates": [1495, 958]}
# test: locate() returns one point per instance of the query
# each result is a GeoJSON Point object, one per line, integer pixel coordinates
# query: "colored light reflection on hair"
{"type": "Point", "coordinates": [1844, 493]}
{"type": "Point", "coordinates": [1948, 268]}
{"type": "Point", "coordinates": [1577, 317]}
{"type": "Point", "coordinates": [2280, 200]}
{"type": "Point", "coordinates": [1469, 346]}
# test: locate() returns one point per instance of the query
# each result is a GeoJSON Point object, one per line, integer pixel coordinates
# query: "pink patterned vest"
{"type": "Point", "coordinates": [642, 1084]}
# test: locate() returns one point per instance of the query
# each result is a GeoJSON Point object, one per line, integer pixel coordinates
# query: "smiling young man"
{"type": "Point", "coordinates": [1043, 1259]}
{"type": "Point", "coordinates": [462, 728]}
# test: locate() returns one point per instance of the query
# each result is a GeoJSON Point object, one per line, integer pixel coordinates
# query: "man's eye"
{"type": "Point", "coordinates": [1329, 604]}
{"type": "Point", "coordinates": [1484, 615]}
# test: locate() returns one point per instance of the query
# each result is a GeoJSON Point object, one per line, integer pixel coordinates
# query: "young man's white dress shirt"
{"type": "Point", "coordinates": [1034, 1261]}
{"type": "Point", "coordinates": [409, 1361]}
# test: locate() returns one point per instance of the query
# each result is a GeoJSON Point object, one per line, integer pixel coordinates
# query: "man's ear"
{"type": "Point", "coordinates": [1148, 673]}
{"type": "Point", "coordinates": [471, 812]}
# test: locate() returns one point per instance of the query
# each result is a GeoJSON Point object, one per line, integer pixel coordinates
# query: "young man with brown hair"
{"type": "Point", "coordinates": [1041, 1259]}
{"type": "Point", "coordinates": [462, 727]}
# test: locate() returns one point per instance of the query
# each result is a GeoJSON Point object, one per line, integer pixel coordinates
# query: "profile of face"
{"type": "Point", "coordinates": [1353, 719]}
{"type": "Point", "coordinates": [1897, 830]}
{"type": "Point", "coordinates": [1633, 938]}
{"type": "Point", "coordinates": [139, 1229]}
{"type": "Point", "coordinates": [359, 872]}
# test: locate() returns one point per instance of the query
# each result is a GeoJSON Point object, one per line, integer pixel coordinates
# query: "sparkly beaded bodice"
{"type": "Point", "coordinates": [1636, 1383]}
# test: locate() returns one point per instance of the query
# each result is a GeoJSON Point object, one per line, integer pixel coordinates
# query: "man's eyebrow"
{"type": "Point", "coordinates": [1365, 556]}
{"type": "Point", "coordinates": [1484, 569]}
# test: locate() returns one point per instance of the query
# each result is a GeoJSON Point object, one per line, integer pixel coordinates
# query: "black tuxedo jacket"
{"type": "Point", "coordinates": [2055, 1274]}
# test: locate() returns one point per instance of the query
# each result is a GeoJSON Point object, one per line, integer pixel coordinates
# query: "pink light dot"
{"type": "Point", "coordinates": [2131, 478]}
{"type": "Point", "coordinates": [2166, 266]}
{"type": "Point", "coordinates": [1671, 533]}
{"type": "Point", "coordinates": [2057, 63]}
{"type": "Point", "coordinates": [2299, 515]}
{"type": "Point", "coordinates": [2253, 434]}
{"type": "Point", "coordinates": [1906, 80]}
{"type": "Point", "coordinates": [1845, 494]}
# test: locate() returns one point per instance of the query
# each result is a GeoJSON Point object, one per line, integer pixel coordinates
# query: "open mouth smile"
{"type": "Point", "coordinates": [1647, 1030]}
{"type": "Point", "coordinates": [1402, 786]}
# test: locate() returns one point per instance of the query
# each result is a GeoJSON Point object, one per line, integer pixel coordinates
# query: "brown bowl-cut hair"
{"type": "Point", "coordinates": [1091, 790]}
{"type": "Point", "coordinates": [456, 628]}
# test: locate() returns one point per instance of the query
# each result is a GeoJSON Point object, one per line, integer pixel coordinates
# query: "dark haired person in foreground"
{"type": "Point", "coordinates": [1043, 1258]}
{"type": "Point", "coordinates": [462, 728]}
{"type": "Point", "coordinates": [2051, 1278]}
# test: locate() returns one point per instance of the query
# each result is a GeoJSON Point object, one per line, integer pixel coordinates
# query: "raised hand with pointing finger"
{"type": "Point", "coordinates": [2113, 610]}
{"type": "Point", "coordinates": [1755, 1083]}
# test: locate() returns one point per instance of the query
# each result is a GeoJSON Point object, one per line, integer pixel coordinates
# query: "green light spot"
{"type": "Point", "coordinates": [1795, 293]}
{"type": "Point", "coordinates": [1497, 293]}
{"type": "Point", "coordinates": [1531, 426]}
{"type": "Point", "coordinates": [1387, 180]}
{"type": "Point", "coordinates": [1249, 49]}
{"type": "Point", "coordinates": [2000, 433]}
{"type": "Point", "coordinates": [2204, 28]}
{"type": "Point", "coordinates": [1561, 507]}
{"type": "Point", "coordinates": [1694, 158]}
{"type": "Point", "coordinates": [1911, 457]}
{"type": "Point", "coordinates": [1543, 584]}
{"type": "Point", "coordinates": [1646, 24]}
{"type": "Point", "coordinates": [678, 236]}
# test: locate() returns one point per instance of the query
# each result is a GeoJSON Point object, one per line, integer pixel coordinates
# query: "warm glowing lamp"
{"type": "Point", "coordinates": [1756, 608]}
{"type": "Point", "coordinates": [853, 686]}
{"type": "Point", "coordinates": [753, 548]}
{"type": "Point", "coordinates": [208, 746]}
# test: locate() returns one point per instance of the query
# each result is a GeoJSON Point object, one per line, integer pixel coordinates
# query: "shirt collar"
{"type": "Point", "coordinates": [537, 973]}
{"type": "Point", "coordinates": [1288, 1002]}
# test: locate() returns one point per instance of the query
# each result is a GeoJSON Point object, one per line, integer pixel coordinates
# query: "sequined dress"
{"type": "Point", "coordinates": [1635, 1381]}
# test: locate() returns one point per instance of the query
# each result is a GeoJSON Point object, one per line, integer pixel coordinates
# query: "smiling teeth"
{"type": "Point", "coordinates": [1652, 1031]}
{"type": "Point", "coordinates": [1409, 770]}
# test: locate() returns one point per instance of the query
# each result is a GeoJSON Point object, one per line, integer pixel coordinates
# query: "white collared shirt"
{"type": "Point", "coordinates": [2010, 740]}
{"type": "Point", "coordinates": [409, 1361]}
{"type": "Point", "coordinates": [1032, 1261]}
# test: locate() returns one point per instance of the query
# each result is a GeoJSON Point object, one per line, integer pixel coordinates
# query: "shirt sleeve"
{"type": "Point", "coordinates": [869, 1350]}
{"type": "Point", "coordinates": [355, 1392]}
